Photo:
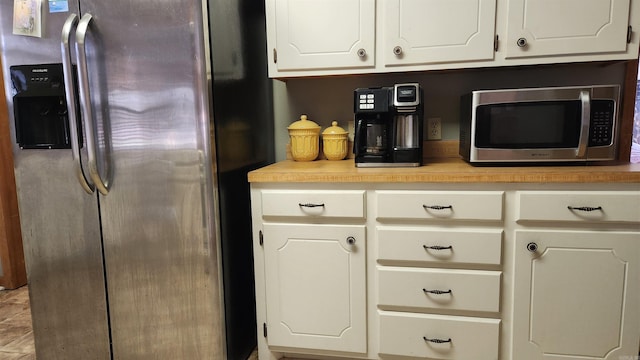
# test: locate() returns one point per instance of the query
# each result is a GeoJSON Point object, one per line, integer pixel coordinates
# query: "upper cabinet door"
{"type": "Point", "coordinates": [323, 34]}
{"type": "Point", "coordinates": [566, 27]}
{"type": "Point", "coordinates": [434, 31]}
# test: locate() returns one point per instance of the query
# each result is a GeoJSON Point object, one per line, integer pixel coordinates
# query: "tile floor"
{"type": "Point", "coordinates": [16, 336]}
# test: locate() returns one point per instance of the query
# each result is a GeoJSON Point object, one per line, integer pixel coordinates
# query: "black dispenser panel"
{"type": "Point", "coordinates": [39, 107]}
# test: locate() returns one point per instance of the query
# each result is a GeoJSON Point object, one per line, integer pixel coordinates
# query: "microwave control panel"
{"type": "Point", "coordinates": [601, 129]}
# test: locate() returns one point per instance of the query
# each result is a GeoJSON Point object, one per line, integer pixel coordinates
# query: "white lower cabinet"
{"type": "Point", "coordinates": [441, 271]}
{"type": "Point", "coordinates": [316, 286]}
{"type": "Point", "coordinates": [434, 301]}
{"type": "Point", "coordinates": [576, 279]}
{"type": "Point", "coordinates": [576, 295]}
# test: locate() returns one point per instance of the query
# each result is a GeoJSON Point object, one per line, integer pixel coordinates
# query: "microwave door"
{"type": "Point", "coordinates": [539, 130]}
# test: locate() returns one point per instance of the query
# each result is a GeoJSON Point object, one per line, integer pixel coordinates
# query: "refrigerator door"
{"type": "Point", "coordinates": [60, 221]}
{"type": "Point", "coordinates": [147, 69]}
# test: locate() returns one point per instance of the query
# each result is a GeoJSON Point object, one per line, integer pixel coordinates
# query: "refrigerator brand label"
{"type": "Point", "coordinates": [56, 6]}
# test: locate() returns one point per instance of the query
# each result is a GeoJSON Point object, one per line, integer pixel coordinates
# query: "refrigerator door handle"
{"type": "Point", "coordinates": [85, 104]}
{"type": "Point", "coordinates": [69, 26]}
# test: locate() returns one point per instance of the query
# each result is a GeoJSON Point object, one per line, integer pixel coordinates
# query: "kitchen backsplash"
{"type": "Point", "coordinates": [325, 99]}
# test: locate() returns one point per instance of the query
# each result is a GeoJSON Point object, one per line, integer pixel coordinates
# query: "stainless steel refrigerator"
{"type": "Point", "coordinates": [135, 219]}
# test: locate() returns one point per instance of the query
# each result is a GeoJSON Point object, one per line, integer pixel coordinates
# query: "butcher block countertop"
{"type": "Point", "coordinates": [444, 170]}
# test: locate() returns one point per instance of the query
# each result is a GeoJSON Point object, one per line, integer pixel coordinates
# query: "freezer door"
{"type": "Point", "coordinates": [60, 221]}
{"type": "Point", "coordinates": [149, 96]}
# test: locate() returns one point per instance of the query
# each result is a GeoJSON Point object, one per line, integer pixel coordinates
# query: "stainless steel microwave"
{"type": "Point", "coordinates": [554, 124]}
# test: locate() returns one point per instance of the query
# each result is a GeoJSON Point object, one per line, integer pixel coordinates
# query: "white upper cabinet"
{"type": "Point", "coordinates": [566, 27]}
{"type": "Point", "coordinates": [342, 37]}
{"type": "Point", "coordinates": [326, 34]}
{"type": "Point", "coordinates": [435, 31]}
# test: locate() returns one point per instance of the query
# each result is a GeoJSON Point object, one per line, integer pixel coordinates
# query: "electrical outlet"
{"type": "Point", "coordinates": [434, 129]}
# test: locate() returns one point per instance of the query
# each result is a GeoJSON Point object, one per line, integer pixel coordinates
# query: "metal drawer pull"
{"type": "Point", "coordinates": [437, 292]}
{"type": "Point", "coordinates": [437, 341]}
{"type": "Point", "coordinates": [437, 207]}
{"type": "Point", "coordinates": [584, 208]}
{"type": "Point", "coordinates": [311, 205]}
{"type": "Point", "coordinates": [437, 247]}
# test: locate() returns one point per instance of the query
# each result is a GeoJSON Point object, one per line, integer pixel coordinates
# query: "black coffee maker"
{"type": "Point", "coordinates": [388, 126]}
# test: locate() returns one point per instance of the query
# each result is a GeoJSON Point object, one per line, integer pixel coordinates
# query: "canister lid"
{"type": "Point", "coordinates": [303, 123]}
{"type": "Point", "coordinates": [334, 129]}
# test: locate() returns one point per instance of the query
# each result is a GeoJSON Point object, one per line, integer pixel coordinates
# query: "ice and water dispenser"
{"type": "Point", "coordinates": [39, 106]}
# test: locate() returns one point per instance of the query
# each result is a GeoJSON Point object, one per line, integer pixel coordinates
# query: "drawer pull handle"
{"type": "Point", "coordinates": [437, 292]}
{"type": "Point", "coordinates": [437, 247]}
{"type": "Point", "coordinates": [351, 240]}
{"type": "Point", "coordinates": [437, 207]}
{"type": "Point", "coordinates": [437, 341]}
{"type": "Point", "coordinates": [309, 205]}
{"type": "Point", "coordinates": [584, 208]}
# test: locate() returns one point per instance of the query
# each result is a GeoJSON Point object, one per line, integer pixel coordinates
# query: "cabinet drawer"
{"type": "Point", "coordinates": [314, 203]}
{"type": "Point", "coordinates": [586, 206]}
{"type": "Point", "coordinates": [440, 205]}
{"type": "Point", "coordinates": [404, 334]}
{"type": "Point", "coordinates": [469, 290]}
{"type": "Point", "coordinates": [467, 246]}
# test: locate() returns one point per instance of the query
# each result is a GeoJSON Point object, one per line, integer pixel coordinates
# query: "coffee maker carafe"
{"type": "Point", "coordinates": [388, 126]}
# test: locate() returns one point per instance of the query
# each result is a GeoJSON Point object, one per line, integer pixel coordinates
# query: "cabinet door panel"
{"type": "Point", "coordinates": [433, 31]}
{"type": "Point", "coordinates": [573, 292]}
{"type": "Point", "coordinates": [559, 27]}
{"type": "Point", "coordinates": [315, 287]}
{"type": "Point", "coordinates": [325, 34]}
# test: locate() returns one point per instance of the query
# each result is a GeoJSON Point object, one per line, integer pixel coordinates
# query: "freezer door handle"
{"type": "Point", "coordinates": [72, 105]}
{"type": "Point", "coordinates": [85, 105]}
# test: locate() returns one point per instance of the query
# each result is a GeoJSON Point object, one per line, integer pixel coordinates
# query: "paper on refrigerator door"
{"type": "Point", "coordinates": [27, 17]}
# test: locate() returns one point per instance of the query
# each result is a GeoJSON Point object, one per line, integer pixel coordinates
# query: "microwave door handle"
{"type": "Point", "coordinates": [585, 98]}
{"type": "Point", "coordinates": [69, 89]}
{"type": "Point", "coordinates": [85, 104]}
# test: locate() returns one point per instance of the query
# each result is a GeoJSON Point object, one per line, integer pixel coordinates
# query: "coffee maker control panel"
{"type": "Point", "coordinates": [371, 100]}
{"type": "Point", "coordinates": [406, 95]}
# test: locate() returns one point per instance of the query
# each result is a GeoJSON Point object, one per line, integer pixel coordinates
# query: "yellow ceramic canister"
{"type": "Point", "coordinates": [334, 142]}
{"type": "Point", "coordinates": [305, 139]}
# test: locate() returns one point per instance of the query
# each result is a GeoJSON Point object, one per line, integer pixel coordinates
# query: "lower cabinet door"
{"type": "Point", "coordinates": [426, 336]}
{"type": "Point", "coordinates": [315, 287]}
{"type": "Point", "coordinates": [576, 295]}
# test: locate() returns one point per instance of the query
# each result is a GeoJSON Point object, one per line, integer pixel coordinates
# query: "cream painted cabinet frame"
{"type": "Point", "coordinates": [567, 27]}
{"type": "Point", "coordinates": [456, 271]}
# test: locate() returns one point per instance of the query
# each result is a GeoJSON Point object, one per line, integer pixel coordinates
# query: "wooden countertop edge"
{"type": "Point", "coordinates": [442, 171]}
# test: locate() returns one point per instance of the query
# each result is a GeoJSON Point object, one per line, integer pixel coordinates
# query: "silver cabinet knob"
{"type": "Point", "coordinates": [397, 50]}
{"type": "Point", "coordinates": [362, 53]}
{"type": "Point", "coordinates": [351, 240]}
{"type": "Point", "coordinates": [532, 247]}
{"type": "Point", "coordinates": [522, 42]}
